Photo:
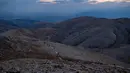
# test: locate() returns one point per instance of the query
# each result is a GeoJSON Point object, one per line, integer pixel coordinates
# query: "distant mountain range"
{"type": "Point", "coordinates": [53, 17]}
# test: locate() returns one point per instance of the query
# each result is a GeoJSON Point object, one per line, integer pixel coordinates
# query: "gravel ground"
{"type": "Point", "coordinates": [57, 66]}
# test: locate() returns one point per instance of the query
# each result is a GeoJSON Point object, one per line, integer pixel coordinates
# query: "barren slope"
{"type": "Point", "coordinates": [25, 47]}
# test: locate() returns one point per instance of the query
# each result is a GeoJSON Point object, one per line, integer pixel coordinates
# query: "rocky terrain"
{"type": "Point", "coordinates": [57, 66]}
{"type": "Point", "coordinates": [79, 45]}
{"type": "Point", "coordinates": [22, 54]}
{"type": "Point", "coordinates": [25, 47]}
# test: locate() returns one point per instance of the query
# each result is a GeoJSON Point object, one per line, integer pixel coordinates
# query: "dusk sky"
{"type": "Point", "coordinates": [109, 8]}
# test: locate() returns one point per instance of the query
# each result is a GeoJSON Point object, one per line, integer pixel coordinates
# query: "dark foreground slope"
{"type": "Point", "coordinates": [26, 47]}
{"type": "Point", "coordinates": [23, 54]}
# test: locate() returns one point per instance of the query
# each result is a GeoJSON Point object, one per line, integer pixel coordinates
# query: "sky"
{"type": "Point", "coordinates": [97, 8]}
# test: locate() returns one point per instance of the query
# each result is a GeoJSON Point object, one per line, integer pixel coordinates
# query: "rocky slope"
{"type": "Point", "coordinates": [57, 66]}
{"type": "Point", "coordinates": [54, 57]}
{"type": "Point", "coordinates": [25, 47]}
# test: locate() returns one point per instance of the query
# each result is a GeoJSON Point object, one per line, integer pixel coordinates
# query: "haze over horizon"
{"type": "Point", "coordinates": [65, 8]}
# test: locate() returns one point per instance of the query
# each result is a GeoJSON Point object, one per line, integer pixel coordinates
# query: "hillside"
{"type": "Point", "coordinates": [93, 32]}
{"type": "Point", "coordinates": [16, 50]}
{"type": "Point", "coordinates": [86, 32]}
{"type": "Point", "coordinates": [25, 47]}
{"type": "Point", "coordinates": [85, 41]}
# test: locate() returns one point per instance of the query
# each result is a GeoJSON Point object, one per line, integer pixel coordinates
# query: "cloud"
{"type": "Point", "coordinates": [53, 1]}
{"type": "Point", "coordinates": [82, 1]}
{"type": "Point", "coordinates": [47, 1]}
{"type": "Point", "coordinates": [61, 1]}
{"type": "Point", "coordinates": [102, 1]}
